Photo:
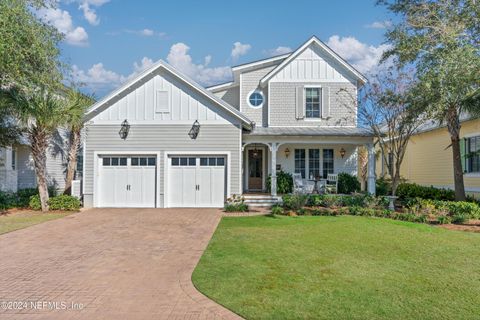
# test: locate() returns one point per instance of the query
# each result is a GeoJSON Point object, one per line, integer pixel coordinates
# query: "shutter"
{"type": "Point", "coordinates": [300, 109]}
{"type": "Point", "coordinates": [463, 155]}
{"type": "Point", "coordinates": [325, 102]}
{"type": "Point", "coordinates": [162, 104]}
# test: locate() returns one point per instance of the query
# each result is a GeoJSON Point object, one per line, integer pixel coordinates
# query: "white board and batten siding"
{"type": "Point", "coordinates": [313, 65]}
{"type": "Point", "coordinates": [162, 131]}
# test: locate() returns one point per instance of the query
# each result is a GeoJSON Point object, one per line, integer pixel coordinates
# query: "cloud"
{"type": "Point", "coordinates": [179, 58]}
{"type": "Point", "coordinates": [278, 51]}
{"type": "Point", "coordinates": [363, 57]}
{"type": "Point", "coordinates": [147, 32]}
{"type": "Point", "coordinates": [143, 33]}
{"type": "Point", "coordinates": [62, 20]}
{"type": "Point", "coordinates": [239, 49]}
{"type": "Point", "coordinates": [379, 25]}
{"type": "Point", "coordinates": [97, 77]}
{"type": "Point", "coordinates": [88, 12]}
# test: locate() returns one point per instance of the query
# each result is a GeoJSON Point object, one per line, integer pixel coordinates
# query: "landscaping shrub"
{"type": "Point", "coordinates": [236, 203]}
{"type": "Point", "coordinates": [64, 202]}
{"type": "Point", "coordinates": [348, 183]}
{"type": "Point", "coordinates": [468, 209]}
{"type": "Point", "coordinates": [294, 201]}
{"type": "Point", "coordinates": [21, 198]}
{"type": "Point", "coordinates": [61, 202]}
{"type": "Point", "coordinates": [383, 187]}
{"type": "Point", "coordinates": [284, 182]}
{"type": "Point", "coordinates": [459, 218]}
{"type": "Point", "coordinates": [413, 190]}
{"type": "Point", "coordinates": [444, 219]}
{"type": "Point", "coordinates": [278, 210]}
{"type": "Point", "coordinates": [7, 200]}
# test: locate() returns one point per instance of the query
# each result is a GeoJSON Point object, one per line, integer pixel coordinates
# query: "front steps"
{"type": "Point", "coordinates": [261, 200]}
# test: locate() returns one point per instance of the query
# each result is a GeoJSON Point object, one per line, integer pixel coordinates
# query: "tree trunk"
{"type": "Point", "coordinates": [453, 125]}
{"type": "Point", "coordinates": [74, 143]}
{"type": "Point", "coordinates": [39, 144]}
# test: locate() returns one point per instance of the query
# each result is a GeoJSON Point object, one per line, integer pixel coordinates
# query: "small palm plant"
{"type": "Point", "coordinates": [39, 113]}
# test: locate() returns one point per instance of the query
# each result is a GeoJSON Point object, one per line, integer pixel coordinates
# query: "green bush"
{"type": "Point", "coordinates": [21, 198]}
{"type": "Point", "coordinates": [468, 209]}
{"type": "Point", "coordinates": [383, 187]}
{"type": "Point", "coordinates": [413, 190]}
{"type": "Point", "coordinates": [64, 203]}
{"type": "Point", "coordinates": [278, 210]}
{"type": "Point", "coordinates": [459, 218]}
{"type": "Point", "coordinates": [61, 202]}
{"type": "Point", "coordinates": [237, 207]}
{"type": "Point", "coordinates": [348, 183]}
{"type": "Point", "coordinates": [294, 202]}
{"type": "Point", "coordinates": [35, 203]}
{"type": "Point", "coordinates": [444, 219]}
{"type": "Point", "coordinates": [284, 182]}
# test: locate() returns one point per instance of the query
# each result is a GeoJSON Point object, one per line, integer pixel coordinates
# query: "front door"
{"type": "Point", "coordinates": [255, 172]}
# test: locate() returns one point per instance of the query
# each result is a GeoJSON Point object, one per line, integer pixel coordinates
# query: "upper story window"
{"type": "Point", "coordinates": [472, 148]}
{"type": "Point", "coordinates": [255, 99]}
{"type": "Point", "coordinates": [313, 103]}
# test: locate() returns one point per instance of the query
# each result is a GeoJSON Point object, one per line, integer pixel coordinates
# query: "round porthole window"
{"type": "Point", "coordinates": [255, 99]}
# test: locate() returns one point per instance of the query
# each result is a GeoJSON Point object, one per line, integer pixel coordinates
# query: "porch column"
{"type": "Point", "coordinates": [273, 177]}
{"type": "Point", "coordinates": [371, 169]}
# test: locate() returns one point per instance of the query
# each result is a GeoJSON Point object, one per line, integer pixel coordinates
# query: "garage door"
{"type": "Point", "coordinates": [127, 181]}
{"type": "Point", "coordinates": [196, 181]}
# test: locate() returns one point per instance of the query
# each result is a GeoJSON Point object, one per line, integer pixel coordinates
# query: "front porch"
{"type": "Point", "coordinates": [311, 156]}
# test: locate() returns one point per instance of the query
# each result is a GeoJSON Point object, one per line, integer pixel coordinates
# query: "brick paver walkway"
{"type": "Point", "coordinates": [111, 264]}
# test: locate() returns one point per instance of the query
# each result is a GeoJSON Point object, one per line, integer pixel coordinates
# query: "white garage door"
{"type": "Point", "coordinates": [196, 181]}
{"type": "Point", "coordinates": [127, 181]}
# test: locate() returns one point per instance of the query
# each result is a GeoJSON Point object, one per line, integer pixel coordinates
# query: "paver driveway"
{"type": "Point", "coordinates": [111, 264]}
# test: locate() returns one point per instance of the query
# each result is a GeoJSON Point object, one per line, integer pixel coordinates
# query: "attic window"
{"type": "Point", "coordinates": [255, 99]}
{"type": "Point", "coordinates": [162, 102]}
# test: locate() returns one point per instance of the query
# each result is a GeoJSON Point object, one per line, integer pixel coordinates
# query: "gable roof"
{"type": "Point", "coordinates": [261, 62]}
{"type": "Point", "coordinates": [327, 49]}
{"type": "Point", "coordinates": [103, 104]}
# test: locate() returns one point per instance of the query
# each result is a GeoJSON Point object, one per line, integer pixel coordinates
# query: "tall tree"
{"type": "Point", "coordinates": [39, 113]}
{"type": "Point", "coordinates": [442, 40]}
{"type": "Point", "coordinates": [78, 103]}
{"type": "Point", "coordinates": [29, 55]}
{"type": "Point", "coordinates": [388, 108]}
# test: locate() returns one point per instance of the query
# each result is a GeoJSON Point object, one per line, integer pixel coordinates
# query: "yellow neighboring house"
{"type": "Point", "coordinates": [428, 160]}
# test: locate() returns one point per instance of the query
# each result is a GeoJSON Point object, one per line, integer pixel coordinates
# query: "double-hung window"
{"type": "Point", "coordinates": [472, 146]}
{"type": "Point", "coordinates": [327, 162]}
{"type": "Point", "coordinates": [300, 162]}
{"type": "Point", "coordinates": [313, 103]}
{"type": "Point", "coordinates": [313, 163]}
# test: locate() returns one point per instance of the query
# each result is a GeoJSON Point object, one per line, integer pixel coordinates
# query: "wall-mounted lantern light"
{"type": "Point", "coordinates": [287, 152]}
{"type": "Point", "coordinates": [342, 152]}
{"type": "Point", "coordinates": [255, 151]}
{"type": "Point", "coordinates": [124, 129]}
{"type": "Point", "coordinates": [193, 133]}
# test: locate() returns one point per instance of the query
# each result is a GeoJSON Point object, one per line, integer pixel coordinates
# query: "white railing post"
{"type": "Point", "coordinates": [273, 177]}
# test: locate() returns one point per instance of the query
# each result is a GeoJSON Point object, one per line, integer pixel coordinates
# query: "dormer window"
{"type": "Point", "coordinates": [313, 103]}
{"type": "Point", "coordinates": [255, 99]}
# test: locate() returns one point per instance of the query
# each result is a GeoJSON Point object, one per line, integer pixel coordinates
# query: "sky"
{"type": "Point", "coordinates": [107, 42]}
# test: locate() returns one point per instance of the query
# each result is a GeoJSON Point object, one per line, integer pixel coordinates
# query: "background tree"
{"type": "Point", "coordinates": [78, 103]}
{"type": "Point", "coordinates": [29, 55]}
{"type": "Point", "coordinates": [39, 113]}
{"type": "Point", "coordinates": [388, 109]}
{"type": "Point", "coordinates": [442, 40]}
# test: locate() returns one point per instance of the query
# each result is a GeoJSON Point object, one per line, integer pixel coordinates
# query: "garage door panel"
{"type": "Point", "coordinates": [218, 188]}
{"type": "Point", "coordinates": [205, 186]}
{"type": "Point", "coordinates": [141, 191]}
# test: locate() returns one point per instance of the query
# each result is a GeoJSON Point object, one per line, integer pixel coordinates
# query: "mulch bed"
{"type": "Point", "coordinates": [470, 226]}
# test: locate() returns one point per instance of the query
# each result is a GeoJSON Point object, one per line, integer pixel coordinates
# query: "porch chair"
{"type": "Point", "coordinates": [298, 185]}
{"type": "Point", "coordinates": [332, 183]}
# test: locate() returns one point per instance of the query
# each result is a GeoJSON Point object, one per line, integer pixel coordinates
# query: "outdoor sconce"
{"type": "Point", "coordinates": [124, 129]}
{"type": "Point", "coordinates": [342, 152]}
{"type": "Point", "coordinates": [255, 151]}
{"type": "Point", "coordinates": [193, 133]}
{"type": "Point", "coordinates": [287, 152]}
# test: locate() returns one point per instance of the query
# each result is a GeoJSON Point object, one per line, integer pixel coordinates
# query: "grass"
{"type": "Point", "coordinates": [19, 220]}
{"type": "Point", "coordinates": [341, 268]}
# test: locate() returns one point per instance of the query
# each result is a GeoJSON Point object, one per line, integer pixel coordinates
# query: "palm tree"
{"type": "Point", "coordinates": [39, 113]}
{"type": "Point", "coordinates": [78, 103]}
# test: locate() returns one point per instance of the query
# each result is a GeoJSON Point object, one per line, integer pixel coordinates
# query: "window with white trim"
{"type": "Point", "coordinates": [313, 98]}
{"type": "Point", "coordinates": [472, 146]}
{"type": "Point", "coordinates": [300, 162]}
{"type": "Point", "coordinates": [313, 163]}
{"type": "Point", "coordinates": [255, 99]}
{"type": "Point", "coordinates": [328, 162]}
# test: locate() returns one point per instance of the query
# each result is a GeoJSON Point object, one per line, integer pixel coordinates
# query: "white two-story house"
{"type": "Point", "coordinates": [162, 140]}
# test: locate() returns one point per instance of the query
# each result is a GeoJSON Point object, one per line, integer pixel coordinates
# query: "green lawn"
{"type": "Point", "coordinates": [19, 220]}
{"type": "Point", "coordinates": [341, 268]}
